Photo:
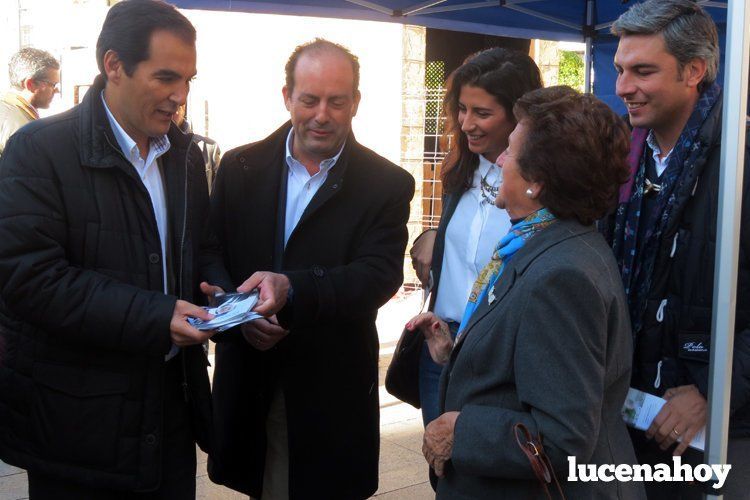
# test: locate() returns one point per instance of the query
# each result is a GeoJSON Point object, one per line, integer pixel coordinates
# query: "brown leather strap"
{"type": "Point", "coordinates": [540, 463]}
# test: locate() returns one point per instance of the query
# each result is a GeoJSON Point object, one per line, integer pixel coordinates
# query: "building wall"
{"type": "Point", "coordinates": [413, 128]}
{"type": "Point", "coordinates": [241, 58]}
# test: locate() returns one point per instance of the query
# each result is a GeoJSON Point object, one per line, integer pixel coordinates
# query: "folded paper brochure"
{"type": "Point", "coordinates": [641, 408]}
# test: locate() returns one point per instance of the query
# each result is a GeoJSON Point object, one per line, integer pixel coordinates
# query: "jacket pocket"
{"type": "Point", "coordinates": [75, 415]}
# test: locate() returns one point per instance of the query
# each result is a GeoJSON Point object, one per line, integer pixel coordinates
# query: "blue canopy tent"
{"type": "Point", "coordinates": [589, 21]}
{"type": "Point", "coordinates": [571, 20]}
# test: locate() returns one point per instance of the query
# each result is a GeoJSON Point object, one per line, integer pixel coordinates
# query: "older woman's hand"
{"type": "Point", "coordinates": [437, 445]}
{"type": "Point", "coordinates": [421, 255]}
{"type": "Point", "coordinates": [436, 333]}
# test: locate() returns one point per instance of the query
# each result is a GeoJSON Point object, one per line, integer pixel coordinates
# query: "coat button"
{"type": "Point", "coordinates": [318, 271]}
{"type": "Point", "coordinates": [153, 258]}
{"type": "Point", "coordinates": [150, 439]}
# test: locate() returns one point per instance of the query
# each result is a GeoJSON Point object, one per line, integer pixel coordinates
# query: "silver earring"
{"type": "Point", "coordinates": [530, 193]}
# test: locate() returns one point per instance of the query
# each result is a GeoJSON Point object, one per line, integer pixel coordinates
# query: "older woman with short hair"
{"type": "Point", "coordinates": [545, 340]}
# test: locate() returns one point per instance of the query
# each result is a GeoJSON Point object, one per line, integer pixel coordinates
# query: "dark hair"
{"type": "Point", "coordinates": [30, 63]}
{"type": "Point", "coordinates": [128, 28]}
{"type": "Point", "coordinates": [577, 148]}
{"type": "Point", "coordinates": [688, 31]}
{"type": "Point", "coordinates": [320, 45]}
{"type": "Point", "coordinates": [503, 73]}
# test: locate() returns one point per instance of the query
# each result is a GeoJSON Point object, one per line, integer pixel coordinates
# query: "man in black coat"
{"type": "Point", "coordinates": [664, 233]}
{"type": "Point", "coordinates": [320, 219]}
{"type": "Point", "coordinates": [103, 383]}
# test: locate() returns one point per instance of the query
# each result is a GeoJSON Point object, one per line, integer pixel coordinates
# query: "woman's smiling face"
{"type": "Point", "coordinates": [484, 121]}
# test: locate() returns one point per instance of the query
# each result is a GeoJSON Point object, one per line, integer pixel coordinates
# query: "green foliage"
{"type": "Point", "coordinates": [570, 71]}
{"type": "Point", "coordinates": [434, 74]}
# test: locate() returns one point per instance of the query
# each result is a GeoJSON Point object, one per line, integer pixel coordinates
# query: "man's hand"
{"type": "Point", "coordinates": [682, 416]}
{"type": "Point", "coordinates": [272, 288]}
{"type": "Point", "coordinates": [438, 441]}
{"type": "Point", "coordinates": [263, 333]}
{"type": "Point", "coordinates": [421, 255]}
{"type": "Point", "coordinates": [436, 334]}
{"type": "Point", "coordinates": [211, 292]}
{"type": "Point", "coordinates": [180, 330]}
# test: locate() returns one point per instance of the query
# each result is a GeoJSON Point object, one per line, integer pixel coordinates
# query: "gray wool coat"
{"type": "Point", "coordinates": [552, 351]}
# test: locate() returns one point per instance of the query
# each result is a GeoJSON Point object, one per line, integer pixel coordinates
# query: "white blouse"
{"type": "Point", "coordinates": [471, 237]}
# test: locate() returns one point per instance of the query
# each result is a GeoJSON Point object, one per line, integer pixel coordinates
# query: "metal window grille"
{"type": "Point", "coordinates": [429, 157]}
{"type": "Point", "coordinates": [433, 154]}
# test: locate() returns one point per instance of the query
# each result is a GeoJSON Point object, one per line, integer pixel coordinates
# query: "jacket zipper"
{"type": "Point", "coordinates": [185, 391]}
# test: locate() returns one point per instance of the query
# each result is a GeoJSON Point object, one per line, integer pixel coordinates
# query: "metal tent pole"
{"type": "Point", "coordinates": [374, 6]}
{"type": "Point", "coordinates": [727, 250]}
{"type": "Point", "coordinates": [588, 53]}
{"type": "Point", "coordinates": [472, 5]}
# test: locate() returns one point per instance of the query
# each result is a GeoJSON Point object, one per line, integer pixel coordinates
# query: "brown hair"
{"type": "Point", "coordinates": [577, 148]}
{"type": "Point", "coordinates": [506, 75]}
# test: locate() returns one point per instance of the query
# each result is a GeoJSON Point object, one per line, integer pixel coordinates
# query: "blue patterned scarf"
{"type": "Point", "coordinates": [509, 244]}
{"type": "Point", "coordinates": [636, 260]}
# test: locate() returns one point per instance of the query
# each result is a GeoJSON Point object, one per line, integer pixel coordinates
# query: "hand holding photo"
{"type": "Point", "coordinates": [231, 309]}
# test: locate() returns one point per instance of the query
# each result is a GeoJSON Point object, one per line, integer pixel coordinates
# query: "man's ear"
{"type": "Point", "coordinates": [30, 84]}
{"type": "Point", "coordinates": [694, 71]}
{"type": "Point", "coordinates": [355, 106]}
{"type": "Point", "coordinates": [113, 67]}
{"type": "Point", "coordinates": [287, 97]}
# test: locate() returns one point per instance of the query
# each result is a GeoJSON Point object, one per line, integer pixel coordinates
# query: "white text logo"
{"type": "Point", "coordinates": [659, 472]}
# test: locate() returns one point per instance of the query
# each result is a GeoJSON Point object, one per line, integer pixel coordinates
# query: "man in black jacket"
{"type": "Point", "coordinates": [664, 232]}
{"type": "Point", "coordinates": [103, 383]}
{"type": "Point", "coordinates": [296, 396]}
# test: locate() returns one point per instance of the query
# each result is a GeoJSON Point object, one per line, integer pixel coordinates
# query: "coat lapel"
{"type": "Point", "coordinates": [450, 202]}
{"type": "Point", "coordinates": [558, 232]}
{"type": "Point", "coordinates": [331, 187]}
{"type": "Point", "coordinates": [262, 173]}
{"type": "Point", "coordinates": [502, 286]}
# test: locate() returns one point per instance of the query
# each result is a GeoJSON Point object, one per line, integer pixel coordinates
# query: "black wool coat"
{"type": "Point", "coordinates": [344, 260]}
{"type": "Point", "coordinates": [84, 322]}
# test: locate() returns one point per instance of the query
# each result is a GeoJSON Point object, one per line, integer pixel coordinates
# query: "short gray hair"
{"type": "Point", "coordinates": [30, 63]}
{"type": "Point", "coordinates": [688, 31]}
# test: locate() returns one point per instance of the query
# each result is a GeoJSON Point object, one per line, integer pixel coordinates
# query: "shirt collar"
{"type": "Point", "coordinates": [16, 99]}
{"type": "Point", "coordinates": [484, 165]}
{"type": "Point", "coordinates": [159, 145]}
{"type": "Point", "coordinates": [651, 141]}
{"type": "Point", "coordinates": [325, 165]}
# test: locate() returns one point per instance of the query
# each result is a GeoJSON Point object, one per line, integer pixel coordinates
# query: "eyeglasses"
{"type": "Point", "coordinates": [54, 85]}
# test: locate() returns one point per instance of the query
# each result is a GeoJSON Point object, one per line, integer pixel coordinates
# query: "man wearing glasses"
{"type": "Point", "coordinates": [34, 76]}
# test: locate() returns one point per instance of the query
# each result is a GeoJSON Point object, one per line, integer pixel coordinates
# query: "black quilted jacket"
{"type": "Point", "coordinates": [84, 322]}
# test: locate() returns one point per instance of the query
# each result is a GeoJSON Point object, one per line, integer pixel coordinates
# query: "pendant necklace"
{"type": "Point", "coordinates": [489, 192]}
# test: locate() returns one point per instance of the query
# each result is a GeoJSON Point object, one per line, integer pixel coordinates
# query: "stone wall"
{"type": "Point", "coordinates": [412, 128]}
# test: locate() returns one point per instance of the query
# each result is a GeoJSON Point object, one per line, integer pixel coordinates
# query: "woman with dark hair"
{"type": "Point", "coordinates": [479, 111]}
{"type": "Point", "coordinates": [543, 352]}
